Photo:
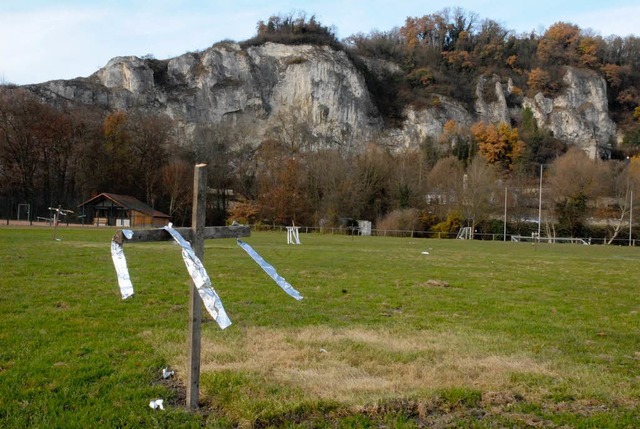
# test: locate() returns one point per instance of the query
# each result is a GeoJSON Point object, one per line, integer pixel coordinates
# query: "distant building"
{"type": "Point", "coordinates": [121, 210]}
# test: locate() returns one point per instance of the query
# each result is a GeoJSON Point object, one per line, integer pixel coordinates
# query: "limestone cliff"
{"type": "Point", "coordinates": [261, 87]}
{"type": "Point", "coordinates": [428, 122]}
{"type": "Point", "coordinates": [580, 115]}
{"type": "Point", "coordinates": [257, 86]}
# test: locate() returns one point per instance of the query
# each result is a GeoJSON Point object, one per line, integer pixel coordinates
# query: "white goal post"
{"type": "Point", "coordinates": [465, 233]}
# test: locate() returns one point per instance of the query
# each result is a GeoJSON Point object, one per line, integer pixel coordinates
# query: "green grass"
{"type": "Point", "coordinates": [523, 335]}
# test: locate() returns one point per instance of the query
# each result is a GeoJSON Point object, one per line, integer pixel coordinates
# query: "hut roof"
{"type": "Point", "coordinates": [127, 202]}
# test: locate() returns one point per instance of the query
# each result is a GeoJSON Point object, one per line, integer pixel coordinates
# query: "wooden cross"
{"type": "Point", "coordinates": [196, 235]}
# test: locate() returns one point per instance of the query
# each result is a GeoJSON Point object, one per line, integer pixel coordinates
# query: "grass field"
{"type": "Point", "coordinates": [472, 334]}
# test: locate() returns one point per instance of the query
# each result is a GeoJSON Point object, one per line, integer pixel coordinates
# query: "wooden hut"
{"type": "Point", "coordinates": [121, 210]}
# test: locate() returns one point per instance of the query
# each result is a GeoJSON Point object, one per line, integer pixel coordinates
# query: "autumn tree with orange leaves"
{"type": "Point", "coordinates": [499, 145]}
{"type": "Point", "coordinates": [560, 44]}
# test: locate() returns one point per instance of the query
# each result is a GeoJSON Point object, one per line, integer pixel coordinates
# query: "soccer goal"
{"type": "Point", "coordinates": [24, 209]}
{"type": "Point", "coordinates": [465, 233]}
{"type": "Point", "coordinates": [534, 238]}
{"type": "Point", "coordinates": [293, 235]}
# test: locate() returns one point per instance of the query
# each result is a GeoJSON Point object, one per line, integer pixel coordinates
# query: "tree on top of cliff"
{"type": "Point", "coordinates": [293, 29]}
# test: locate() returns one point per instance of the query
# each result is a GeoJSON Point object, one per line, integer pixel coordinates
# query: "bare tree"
{"type": "Point", "coordinates": [177, 183]}
{"type": "Point", "coordinates": [22, 127]}
{"type": "Point", "coordinates": [151, 136]}
{"type": "Point", "coordinates": [446, 186]}
{"type": "Point", "coordinates": [479, 191]}
{"type": "Point", "coordinates": [624, 185]}
{"type": "Point", "coordinates": [575, 181]}
{"type": "Point", "coordinates": [292, 128]}
{"type": "Point", "coordinates": [371, 182]}
{"type": "Point", "coordinates": [328, 185]}
{"type": "Point", "coordinates": [282, 194]}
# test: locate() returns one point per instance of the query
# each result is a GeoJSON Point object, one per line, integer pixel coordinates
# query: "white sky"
{"type": "Point", "coordinates": [43, 40]}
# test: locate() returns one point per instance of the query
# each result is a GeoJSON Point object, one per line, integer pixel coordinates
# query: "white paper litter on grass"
{"type": "Point", "coordinates": [157, 404]}
{"type": "Point", "coordinates": [166, 373]}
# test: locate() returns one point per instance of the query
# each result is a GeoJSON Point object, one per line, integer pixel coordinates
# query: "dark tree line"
{"type": "Point", "coordinates": [61, 156]}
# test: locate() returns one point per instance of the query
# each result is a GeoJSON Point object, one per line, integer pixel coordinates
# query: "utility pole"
{"type": "Point", "coordinates": [540, 204]}
{"type": "Point", "coordinates": [504, 236]}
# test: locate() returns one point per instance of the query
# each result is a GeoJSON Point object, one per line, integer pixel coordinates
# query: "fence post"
{"type": "Point", "coordinates": [198, 218]}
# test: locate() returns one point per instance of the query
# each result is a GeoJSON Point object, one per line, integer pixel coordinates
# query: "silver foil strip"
{"type": "Point", "coordinates": [201, 280]}
{"type": "Point", "coordinates": [268, 268]}
{"type": "Point", "coordinates": [120, 263]}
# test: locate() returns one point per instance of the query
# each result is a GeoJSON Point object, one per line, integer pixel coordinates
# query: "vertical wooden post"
{"type": "Point", "coordinates": [198, 218]}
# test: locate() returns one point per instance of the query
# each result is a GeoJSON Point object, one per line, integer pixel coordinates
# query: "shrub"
{"type": "Point", "coordinates": [400, 220]}
{"type": "Point", "coordinates": [454, 222]}
{"type": "Point", "coordinates": [243, 212]}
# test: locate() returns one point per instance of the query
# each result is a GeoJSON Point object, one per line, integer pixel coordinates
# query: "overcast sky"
{"type": "Point", "coordinates": [43, 40]}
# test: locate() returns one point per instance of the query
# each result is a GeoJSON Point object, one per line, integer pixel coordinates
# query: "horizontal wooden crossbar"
{"type": "Point", "coordinates": [210, 232]}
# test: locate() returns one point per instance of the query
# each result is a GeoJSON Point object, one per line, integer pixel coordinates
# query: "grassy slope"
{"type": "Point", "coordinates": [523, 335]}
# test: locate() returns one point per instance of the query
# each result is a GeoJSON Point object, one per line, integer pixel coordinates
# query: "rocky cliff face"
{"type": "Point", "coordinates": [263, 87]}
{"type": "Point", "coordinates": [429, 122]}
{"type": "Point", "coordinates": [258, 86]}
{"type": "Point", "coordinates": [580, 115]}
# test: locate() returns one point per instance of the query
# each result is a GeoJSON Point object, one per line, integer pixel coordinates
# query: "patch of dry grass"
{"type": "Point", "coordinates": [353, 366]}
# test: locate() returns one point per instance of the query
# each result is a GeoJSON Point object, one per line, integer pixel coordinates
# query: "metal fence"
{"type": "Point", "coordinates": [354, 231]}
{"type": "Point", "coordinates": [441, 235]}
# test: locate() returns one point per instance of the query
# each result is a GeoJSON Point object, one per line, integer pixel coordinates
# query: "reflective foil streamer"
{"type": "Point", "coordinates": [268, 268]}
{"type": "Point", "coordinates": [119, 261]}
{"type": "Point", "coordinates": [201, 279]}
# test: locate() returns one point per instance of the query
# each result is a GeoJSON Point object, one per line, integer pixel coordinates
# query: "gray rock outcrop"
{"type": "Point", "coordinates": [269, 87]}
{"type": "Point", "coordinates": [258, 86]}
{"type": "Point", "coordinates": [580, 114]}
{"type": "Point", "coordinates": [420, 124]}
